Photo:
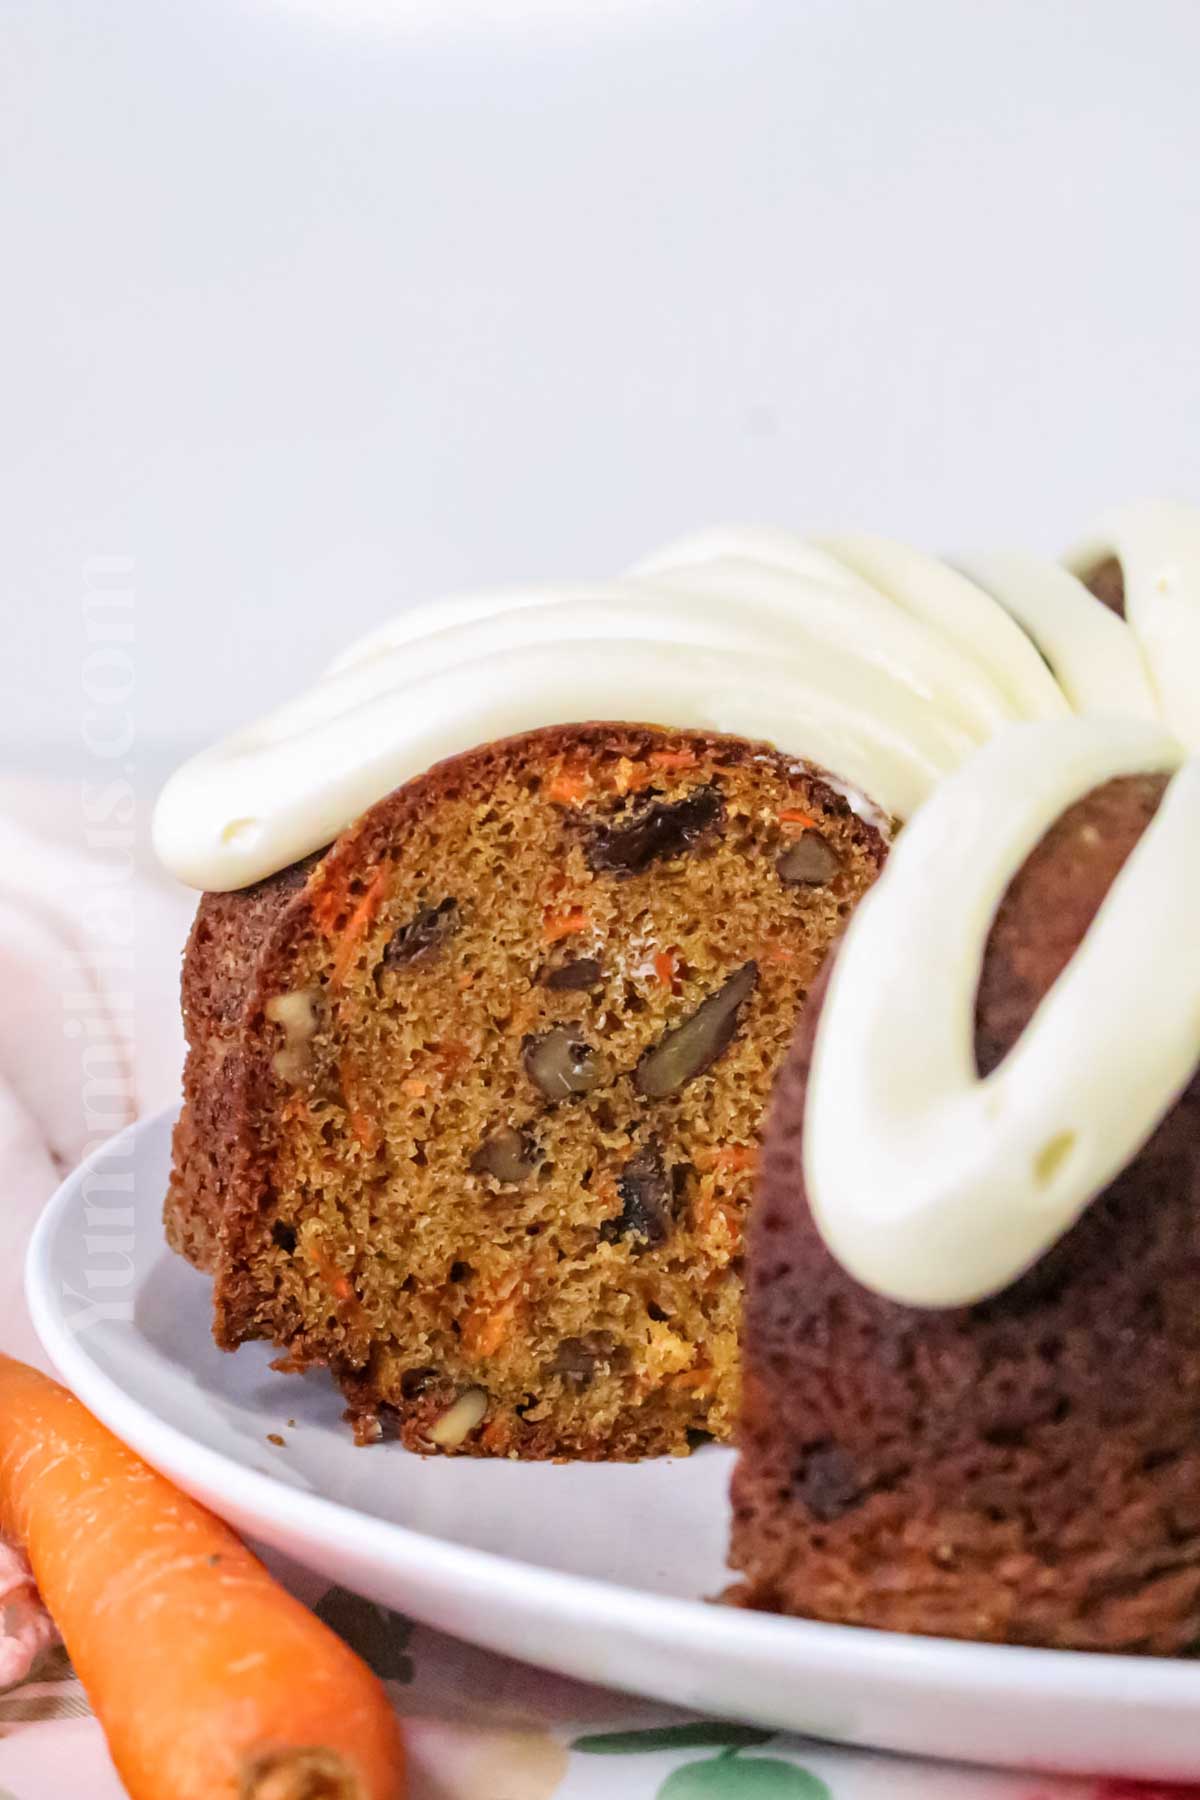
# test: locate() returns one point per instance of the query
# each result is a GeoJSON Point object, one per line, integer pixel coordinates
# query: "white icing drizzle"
{"type": "Point", "coordinates": [1157, 543]}
{"type": "Point", "coordinates": [930, 1185]}
{"type": "Point", "coordinates": [1093, 655]}
{"type": "Point", "coordinates": [947, 603]}
{"type": "Point", "coordinates": [880, 664]}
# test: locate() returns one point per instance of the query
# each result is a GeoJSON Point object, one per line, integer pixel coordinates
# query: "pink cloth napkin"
{"type": "Point", "coordinates": [89, 938]}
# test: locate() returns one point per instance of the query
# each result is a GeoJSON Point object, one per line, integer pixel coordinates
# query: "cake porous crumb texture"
{"type": "Point", "coordinates": [473, 1099]}
{"type": "Point", "coordinates": [1026, 1469]}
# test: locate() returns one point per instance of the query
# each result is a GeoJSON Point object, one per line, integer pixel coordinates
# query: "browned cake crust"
{"type": "Point", "coordinates": [472, 1099]}
{"type": "Point", "coordinates": [1026, 1469]}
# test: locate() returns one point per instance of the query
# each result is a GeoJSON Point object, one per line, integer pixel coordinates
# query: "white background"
{"type": "Point", "coordinates": [311, 307]}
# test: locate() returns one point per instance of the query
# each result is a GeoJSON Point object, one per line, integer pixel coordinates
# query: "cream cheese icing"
{"type": "Point", "coordinates": [867, 658]}
{"type": "Point", "coordinates": [1157, 543]}
{"type": "Point", "coordinates": [928, 1184]}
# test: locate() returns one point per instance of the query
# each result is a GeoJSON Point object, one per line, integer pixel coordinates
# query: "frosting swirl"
{"type": "Point", "coordinates": [928, 1184]}
{"type": "Point", "coordinates": [885, 666]}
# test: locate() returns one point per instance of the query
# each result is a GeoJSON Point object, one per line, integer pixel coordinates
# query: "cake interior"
{"type": "Point", "coordinates": [493, 1190]}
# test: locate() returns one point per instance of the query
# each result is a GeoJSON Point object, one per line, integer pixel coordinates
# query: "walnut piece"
{"type": "Point", "coordinates": [811, 862]}
{"type": "Point", "coordinates": [459, 1420]}
{"type": "Point", "coordinates": [509, 1156]}
{"type": "Point", "coordinates": [561, 1063]}
{"type": "Point", "coordinates": [298, 1012]}
{"type": "Point", "coordinates": [695, 1046]}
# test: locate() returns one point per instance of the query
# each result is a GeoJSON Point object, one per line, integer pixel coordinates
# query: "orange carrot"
{"type": "Point", "coordinates": [210, 1681]}
{"type": "Point", "coordinates": [339, 1285]}
{"type": "Point", "coordinates": [484, 1330]}
{"type": "Point", "coordinates": [720, 1224]}
{"type": "Point", "coordinates": [561, 925]}
{"type": "Point", "coordinates": [363, 1128]}
{"type": "Point", "coordinates": [498, 1435]}
{"type": "Point", "coordinates": [450, 1057]}
{"type": "Point", "coordinates": [357, 925]}
{"type": "Point", "coordinates": [665, 967]}
{"type": "Point", "coordinates": [486, 1326]}
{"type": "Point", "coordinates": [570, 788]}
{"type": "Point", "coordinates": [793, 815]}
{"type": "Point", "coordinates": [361, 1123]}
{"type": "Point", "coordinates": [673, 759]}
{"type": "Point", "coordinates": [328, 901]}
{"type": "Point", "coordinates": [735, 1157]}
{"type": "Point", "coordinates": [691, 1379]}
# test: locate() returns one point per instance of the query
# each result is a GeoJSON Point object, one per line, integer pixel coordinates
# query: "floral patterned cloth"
{"type": "Point", "coordinates": [478, 1727]}
{"type": "Point", "coordinates": [481, 1728]}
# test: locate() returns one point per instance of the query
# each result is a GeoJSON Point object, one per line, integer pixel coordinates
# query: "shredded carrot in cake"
{"type": "Point", "coordinates": [673, 759]}
{"type": "Point", "coordinates": [566, 924]}
{"type": "Point", "coordinates": [497, 1435]}
{"type": "Point", "coordinates": [489, 1322]}
{"type": "Point", "coordinates": [735, 1157]}
{"type": "Point", "coordinates": [796, 819]}
{"type": "Point", "coordinates": [690, 1379]}
{"type": "Point", "coordinates": [451, 1056]}
{"type": "Point", "coordinates": [570, 788]}
{"type": "Point", "coordinates": [608, 1195]}
{"type": "Point", "coordinates": [338, 1284]}
{"type": "Point", "coordinates": [724, 1231]}
{"type": "Point", "coordinates": [329, 904]}
{"type": "Point", "coordinates": [666, 967]}
{"type": "Point", "coordinates": [328, 900]}
{"type": "Point", "coordinates": [361, 1123]}
{"type": "Point", "coordinates": [364, 1130]}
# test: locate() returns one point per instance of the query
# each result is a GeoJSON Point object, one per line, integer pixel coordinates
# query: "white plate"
{"type": "Point", "coordinates": [593, 1570]}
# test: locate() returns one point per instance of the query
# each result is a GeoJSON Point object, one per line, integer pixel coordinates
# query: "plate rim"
{"type": "Point", "coordinates": [907, 1662]}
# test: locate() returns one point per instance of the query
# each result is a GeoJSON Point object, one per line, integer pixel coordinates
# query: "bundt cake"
{"type": "Point", "coordinates": [484, 1001]}
{"type": "Point", "coordinates": [972, 1339]}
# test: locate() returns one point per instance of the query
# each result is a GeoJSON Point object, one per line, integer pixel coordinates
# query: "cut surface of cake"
{"type": "Point", "coordinates": [473, 1099]}
{"type": "Point", "coordinates": [972, 1351]}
